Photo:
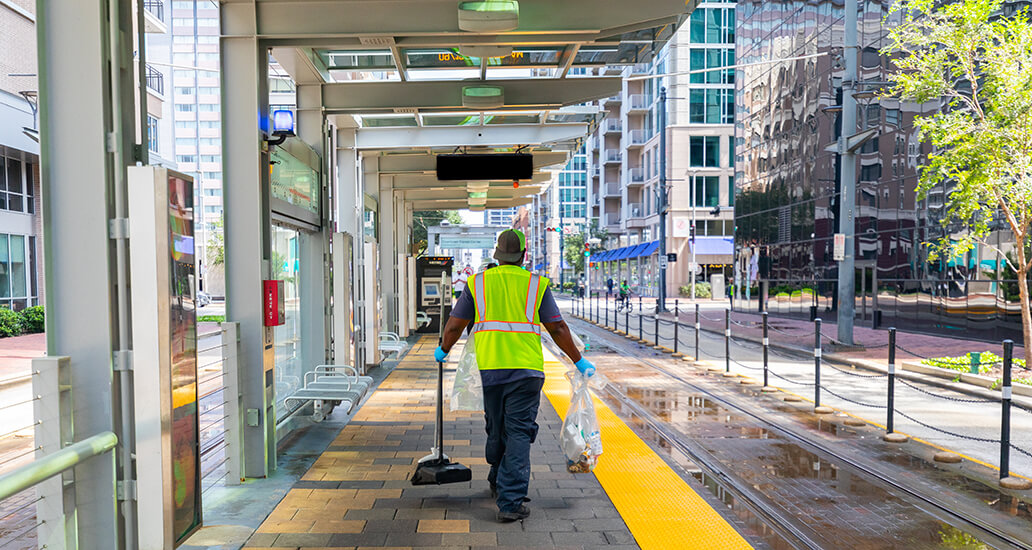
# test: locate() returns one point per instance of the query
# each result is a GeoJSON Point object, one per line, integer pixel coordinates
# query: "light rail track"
{"type": "Point", "coordinates": [788, 528]}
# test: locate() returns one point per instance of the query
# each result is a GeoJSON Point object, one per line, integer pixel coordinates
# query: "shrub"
{"type": "Point", "coordinates": [32, 319]}
{"type": "Point", "coordinates": [211, 319]}
{"type": "Point", "coordinates": [702, 290]}
{"type": "Point", "coordinates": [10, 322]}
{"type": "Point", "coordinates": [986, 361]}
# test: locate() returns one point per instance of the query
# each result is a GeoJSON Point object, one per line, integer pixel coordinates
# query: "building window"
{"type": "Point", "coordinates": [704, 151]}
{"type": "Point", "coordinates": [212, 176]}
{"type": "Point", "coordinates": [17, 272]}
{"type": "Point", "coordinates": [712, 26]}
{"type": "Point", "coordinates": [892, 117]}
{"type": "Point", "coordinates": [209, 124]}
{"type": "Point", "coordinates": [711, 106]}
{"type": "Point", "coordinates": [707, 191]}
{"type": "Point", "coordinates": [16, 185]}
{"type": "Point", "coordinates": [185, 107]}
{"type": "Point", "coordinates": [712, 58]}
{"type": "Point", "coordinates": [731, 151]}
{"type": "Point", "coordinates": [152, 133]}
{"type": "Point", "coordinates": [186, 159]}
{"type": "Point", "coordinates": [209, 107]}
{"type": "Point", "coordinates": [209, 158]}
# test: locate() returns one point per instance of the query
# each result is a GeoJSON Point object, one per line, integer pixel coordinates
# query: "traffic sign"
{"type": "Point", "coordinates": [671, 257]}
{"type": "Point", "coordinates": [663, 262]}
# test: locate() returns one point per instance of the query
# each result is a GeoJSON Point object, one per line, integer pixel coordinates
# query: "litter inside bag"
{"type": "Point", "coordinates": [467, 389]}
{"type": "Point", "coordinates": [581, 439]}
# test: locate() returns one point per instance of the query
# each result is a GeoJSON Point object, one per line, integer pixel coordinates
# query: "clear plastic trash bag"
{"type": "Point", "coordinates": [581, 439]}
{"type": "Point", "coordinates": [467, 389]}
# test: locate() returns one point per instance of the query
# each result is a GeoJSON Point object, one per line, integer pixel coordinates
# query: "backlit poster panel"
{"type": "Point", "coordinates": [186, 468]}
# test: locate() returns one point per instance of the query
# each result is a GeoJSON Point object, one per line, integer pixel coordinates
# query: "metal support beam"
{"type": "Point", "coordinates": [78, 135]}
{"type": "Point", "coordinates": [245, 188]}
{"type": "Point", "coordinates": [502, 135]}
{"type": "Point", "coordinates": [520, 94]}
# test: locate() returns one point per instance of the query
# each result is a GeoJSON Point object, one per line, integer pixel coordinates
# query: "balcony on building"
{"type": "Point", "coordinates": [638, 103]}
{"type": "Point", "coordinates": [636, 138]}
{"type": "Point", "coordinates": [596, 171]}
{"type": "Point", "coordinates": [155, 91]}
{"type": "Point", "coordinates": [636, 176]}
{"type": "Point", "coordinates": [613, 156]}
{"type": "Point", "coordinates": [154, 16]}
{"type": "Point", "coordinates": [612, 219]}
{"type": "Point", "coordinates": [635, 216]}
{"type": "Point", "coordinates": [613, 189]}
{"type": "Point", "coordinates": [613, 99]}
{"type": "Point", "coordinates": [612, 126]}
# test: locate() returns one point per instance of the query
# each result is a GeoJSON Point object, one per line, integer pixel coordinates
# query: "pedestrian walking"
{"type": "Point", "coordinates": [508, 306]}
{"type": "Point", "coordinates": [609, 286]}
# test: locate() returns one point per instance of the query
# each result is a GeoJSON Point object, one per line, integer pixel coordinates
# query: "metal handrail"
{"type": "Point", "coordinates": [55, 463]}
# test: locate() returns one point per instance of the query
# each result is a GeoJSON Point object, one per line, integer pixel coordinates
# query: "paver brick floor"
{"type": "Point", "coordinates": [357, 494]}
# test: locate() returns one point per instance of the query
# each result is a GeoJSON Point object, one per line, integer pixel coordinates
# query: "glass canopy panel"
{"type": "Point", "coordinates": [445, 74]}
{"type": "Point", "coordinates": [498, 73]}
{"type": "Point", "coordinates": [451, 58]}
{"type": "Point", "coordinates": [623, 53]}
{"type": "Point", "coordinates": [358, 60]}
{"type": "Point", "coordinates": [511, 119]}
{"type": "Point", "coordinates": [380, 121]}
{"type": "Point", "coordinates": [351, 76]}
{"type": "Point", "coordinates": [452, 119]}
{"type": "Point", "coordinates": [559, 116]}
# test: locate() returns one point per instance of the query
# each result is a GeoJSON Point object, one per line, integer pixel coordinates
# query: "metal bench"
{"type": "Point", "coordinates": [340, 370]}
{"type": "Point", "coordinates": [422, 319]}
{"type": "Point", "coordinates": [391, 343]}
{"type": "Point", "coordinates": [323, 400]}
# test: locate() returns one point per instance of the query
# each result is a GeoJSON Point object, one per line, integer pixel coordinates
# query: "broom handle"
{"type": "Point", "coordinates": [440, 408]}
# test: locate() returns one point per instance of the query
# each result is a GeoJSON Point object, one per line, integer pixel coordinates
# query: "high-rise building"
{"type": "Point", "coordinates": [21, 223]}
{"type": "Point", "coordinates": [501, 217]}
{"type": "Point", "coordinates": [790, 179]}
{"type": "Point", "coordinates": [624, 158]}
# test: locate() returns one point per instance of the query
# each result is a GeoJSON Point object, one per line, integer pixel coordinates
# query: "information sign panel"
{"type": "Point", "coordinates": [838, 252]}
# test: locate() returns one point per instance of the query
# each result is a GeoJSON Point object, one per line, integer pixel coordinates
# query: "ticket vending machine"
{"type": "Point", "coordinates": [431, 298]}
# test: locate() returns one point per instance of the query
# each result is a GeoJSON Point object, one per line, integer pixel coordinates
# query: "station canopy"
{"type": "Point", "coordinates": [414, 81]}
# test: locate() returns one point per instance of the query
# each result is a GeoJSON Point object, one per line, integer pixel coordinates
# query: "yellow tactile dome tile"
{"type": "Point", "coordinates": [659, 507]}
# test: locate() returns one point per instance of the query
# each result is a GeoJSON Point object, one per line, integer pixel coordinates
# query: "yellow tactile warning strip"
{"type": "Point", "coordinates": [659, 508]}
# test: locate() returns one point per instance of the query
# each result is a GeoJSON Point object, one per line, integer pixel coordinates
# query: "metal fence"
{"type": "Point", "coordinates": [683, 338]}
{"type": "Point", "coordinates": [37, 455]}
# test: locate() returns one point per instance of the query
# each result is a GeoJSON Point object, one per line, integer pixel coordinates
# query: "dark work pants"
{"type": "Point", "coordinates": [511, 413]}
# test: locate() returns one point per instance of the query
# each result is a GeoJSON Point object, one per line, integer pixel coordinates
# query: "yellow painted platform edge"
{"type": "Point", "coordinates": [660, 509]}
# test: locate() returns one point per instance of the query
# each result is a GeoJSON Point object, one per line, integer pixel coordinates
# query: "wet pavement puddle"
{"type": "Point", "coordinates": [839, 508]}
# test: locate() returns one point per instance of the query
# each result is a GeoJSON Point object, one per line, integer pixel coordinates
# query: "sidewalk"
{"type": "Point", "coordinates": [16, 355]}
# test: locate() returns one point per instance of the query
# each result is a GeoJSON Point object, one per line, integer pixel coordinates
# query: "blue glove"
{"type": "Point", "coordinates": [585, 366]}
{"type": "Point", "coordinates": [440, 354]}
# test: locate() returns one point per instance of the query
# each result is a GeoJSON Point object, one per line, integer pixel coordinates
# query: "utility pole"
{"type": "Point", "coordinates": [847, 180]}
{"type": "Point", "coordinates": [661, 304]}
{"type": "Point", "coordinates": [562, 248]}
{"type": "Point", "coordinates": [691, 234]}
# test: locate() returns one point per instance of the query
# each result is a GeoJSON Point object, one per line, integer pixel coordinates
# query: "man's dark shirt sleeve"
{"type": "Point", "coordinates": [464, 308]}
{"type": "Point", "coordinates": [548, 311]}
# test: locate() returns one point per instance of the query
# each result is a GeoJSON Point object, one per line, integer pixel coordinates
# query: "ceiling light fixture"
{"type": "Point", "coordinates": [489, 16]}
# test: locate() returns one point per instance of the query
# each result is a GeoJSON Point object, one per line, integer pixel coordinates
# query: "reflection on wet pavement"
{"type": "Point", "coordinates": [840, 509]}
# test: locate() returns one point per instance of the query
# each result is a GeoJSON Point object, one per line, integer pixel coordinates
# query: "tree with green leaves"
{"type": "Point", "coordinates": [977, 63]}
{"type": "Point", "coordinates": [216, 244]}
{"type": "Point", "coordinates": [574, 245]}
{"type": "Point", "coordinates": [424, 219]}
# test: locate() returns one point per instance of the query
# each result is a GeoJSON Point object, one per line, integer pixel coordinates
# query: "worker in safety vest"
{"type": "Point", "coordinates": [509, 305]}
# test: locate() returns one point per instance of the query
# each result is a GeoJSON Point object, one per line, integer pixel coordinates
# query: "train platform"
{"type": "Point", "coordinates": [357, 493]}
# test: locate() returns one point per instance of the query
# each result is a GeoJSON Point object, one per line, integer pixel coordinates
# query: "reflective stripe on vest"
{"type": "Point", "coordinates": [506, 324]}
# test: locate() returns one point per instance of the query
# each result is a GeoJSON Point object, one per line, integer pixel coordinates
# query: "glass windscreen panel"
{"type": "Point", "coordinates": [452, 58]}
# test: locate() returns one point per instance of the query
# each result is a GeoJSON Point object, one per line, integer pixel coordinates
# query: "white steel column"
{"type": "Point", "coordinates": [313, 248]}
{"type": "Point", "coordinates": [348, 214]}
{"type": "Point", "coordinates": [245, 191]}
{"type": "Point", "coordinates": [77, 124]}
{"type": "Point", "coordinates": [388, 255]}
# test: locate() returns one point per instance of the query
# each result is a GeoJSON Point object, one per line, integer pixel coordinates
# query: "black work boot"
{"type": "Point", "coordinates": [494, 490]}
{"type": "Point", "coordinates": [506, 517]}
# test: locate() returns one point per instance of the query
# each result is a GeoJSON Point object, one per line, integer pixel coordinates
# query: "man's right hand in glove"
{"type": "Point", "coordinates": [585, 367]}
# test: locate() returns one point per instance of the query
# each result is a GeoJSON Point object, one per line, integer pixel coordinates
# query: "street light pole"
{"type": "Point", "coordinates": [661, 304]}
{"type": "Point", "coordinates": [847, 180]}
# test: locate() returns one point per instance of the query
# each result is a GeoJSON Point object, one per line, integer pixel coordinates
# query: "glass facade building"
{"type": "Point", "coordinates": [788, 185]}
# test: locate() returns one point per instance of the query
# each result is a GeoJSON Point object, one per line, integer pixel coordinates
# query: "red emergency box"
{"type": "Point", "coordinates": [272, 298]}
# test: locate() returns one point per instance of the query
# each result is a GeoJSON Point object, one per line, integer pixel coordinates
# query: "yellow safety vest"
{"type": "Point", "coordinates": [507, 324]}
